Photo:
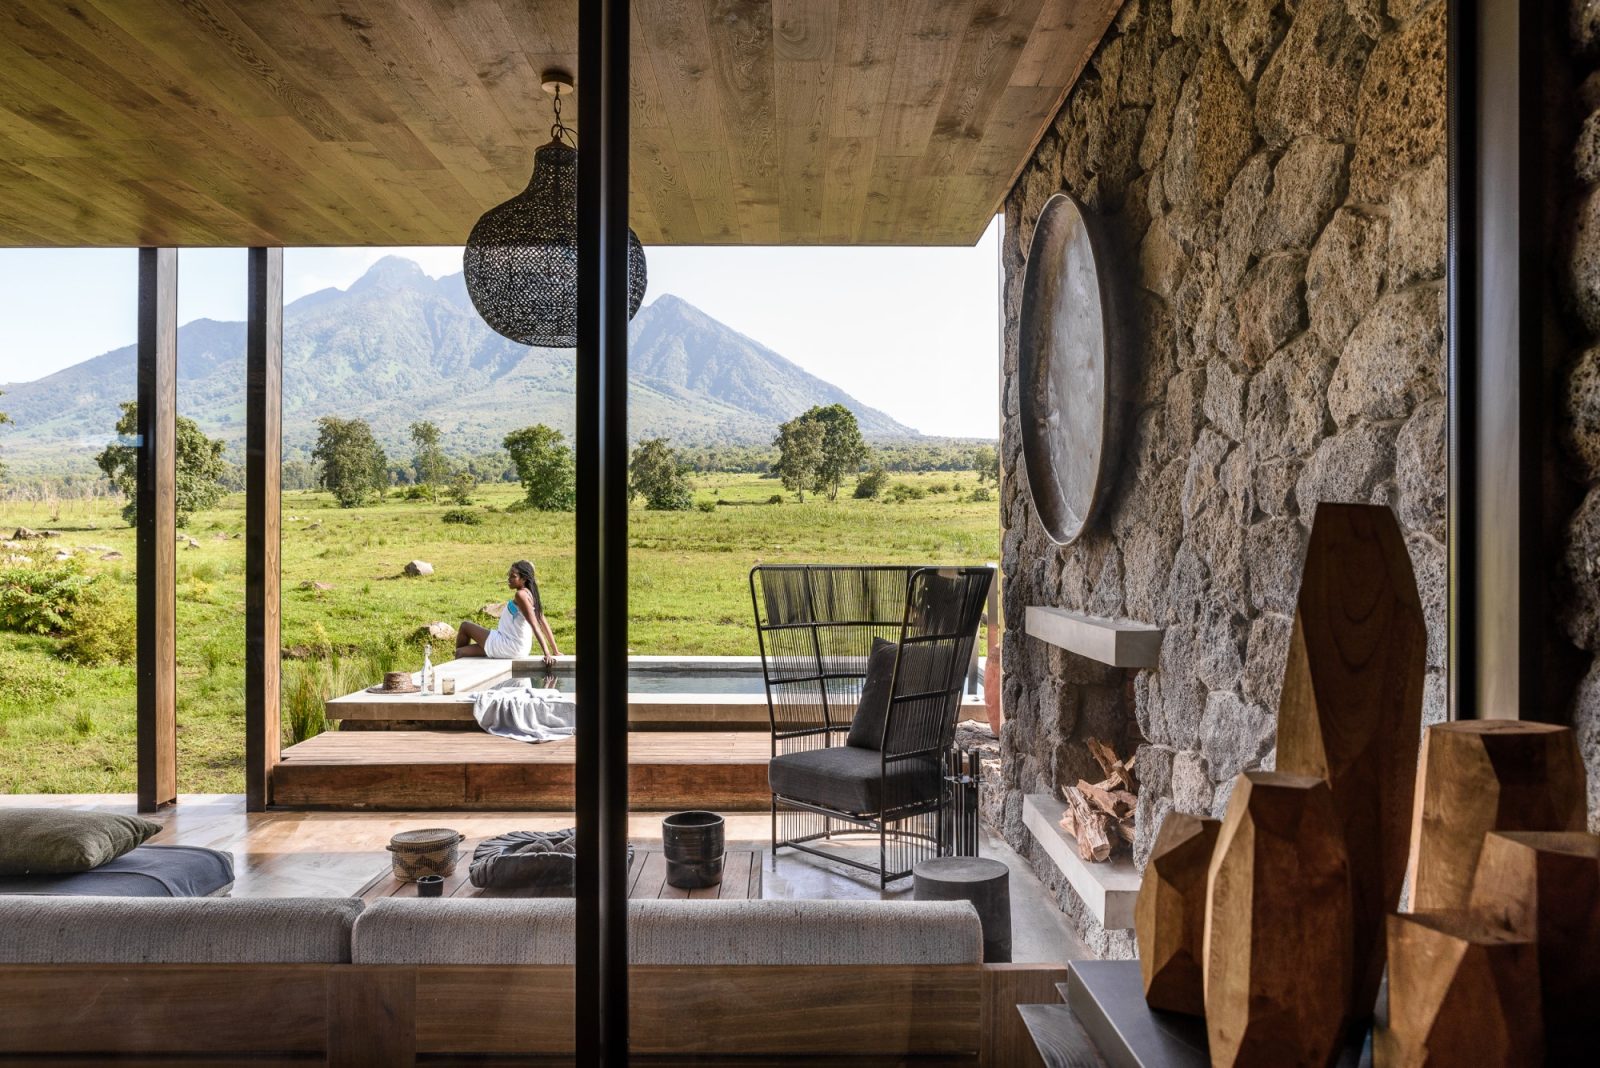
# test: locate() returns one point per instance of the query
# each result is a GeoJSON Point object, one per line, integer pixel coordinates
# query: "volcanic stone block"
{"type": "Point", "coordinates": [1170, 916]}
{"type": "Point", "coordinates": [1546, 887]}
{"type": "Point", "coordinates": [1461, 991]}
{"type": "Point", "coordinates": [1278, 946]}
{"type": "Point", "coordinates": [1487, 775]}
{"type": "Point", "coordinates": [1350, 712]}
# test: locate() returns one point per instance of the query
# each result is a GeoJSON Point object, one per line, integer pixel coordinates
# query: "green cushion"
{"type": "Point", "coordinates": [58, 841]}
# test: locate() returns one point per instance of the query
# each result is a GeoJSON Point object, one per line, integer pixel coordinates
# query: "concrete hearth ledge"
{"type": "Point", "coordinates": [1110, 641]}
{"type": "Point", "coordinates": [1109, 888]}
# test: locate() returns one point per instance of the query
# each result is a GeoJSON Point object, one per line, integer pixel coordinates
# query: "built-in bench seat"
{"type": "Point", "coordinates": [757, 980]}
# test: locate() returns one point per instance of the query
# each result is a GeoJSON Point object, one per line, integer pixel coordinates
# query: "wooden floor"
{"type": "Point", "coordinates": [724, 770]}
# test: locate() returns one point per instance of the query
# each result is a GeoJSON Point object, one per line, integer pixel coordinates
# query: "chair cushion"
{"type": "Point", "coordinates": [149, 871]}
{"type": "Point", "coordinates": [55, 841]}
{"type": "Point", "coordinates": [206, 930]}
{"type": "Point", "coordinates": [866, 729]}
{"type": "Point", "coordinates": [852, 779]}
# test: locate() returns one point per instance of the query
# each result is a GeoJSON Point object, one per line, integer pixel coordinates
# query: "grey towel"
{"type": "Point", "coordinates": [525, 714]}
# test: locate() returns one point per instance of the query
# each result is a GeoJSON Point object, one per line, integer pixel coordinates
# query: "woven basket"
{"type": "Point", "coordinates": [426, 852]}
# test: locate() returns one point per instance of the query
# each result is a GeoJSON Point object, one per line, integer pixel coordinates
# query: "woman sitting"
{"type": "Point", "coordinates": [521, 622]}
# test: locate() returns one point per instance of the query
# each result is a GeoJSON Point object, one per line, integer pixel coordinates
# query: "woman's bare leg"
{"type": "Point", "coordinates": [469, 638]}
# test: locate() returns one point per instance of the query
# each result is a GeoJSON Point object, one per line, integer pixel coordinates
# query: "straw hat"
{"type": "Point", "coordinates": [395, 682]}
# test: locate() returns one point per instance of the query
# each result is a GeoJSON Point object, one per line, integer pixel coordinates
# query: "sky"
{"type": "Point", "coordinates": [911, 331]}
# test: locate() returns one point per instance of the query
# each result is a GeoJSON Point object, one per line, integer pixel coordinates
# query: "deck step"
{"type": "Point", "coordinates": [450, 770]}
{"type": "Point", "coordinates": [1059, 1038]}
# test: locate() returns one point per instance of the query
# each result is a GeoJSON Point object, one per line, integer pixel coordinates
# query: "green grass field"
{"type": "Point", "coordinates": [70, 729]}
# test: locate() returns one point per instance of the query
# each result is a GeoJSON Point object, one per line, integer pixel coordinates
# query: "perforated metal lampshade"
{"type": "Point", "coordinates": [521, 259]}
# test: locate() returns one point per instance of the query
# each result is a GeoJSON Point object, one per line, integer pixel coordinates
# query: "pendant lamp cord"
{"type": "Point", "coordinates": [560, 131]}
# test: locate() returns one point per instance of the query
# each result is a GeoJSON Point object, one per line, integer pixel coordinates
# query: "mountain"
{"type": "Point", "coordinates": [398, 346]}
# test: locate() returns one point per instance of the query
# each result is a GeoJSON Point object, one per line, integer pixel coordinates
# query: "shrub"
{"type": "Point", "coordinates": [462, 487]}
{"type": "Point", "coordinates": [939, 487]}
{"type": "Point", "coordinates": [40, 599]}
{"type": "Point", "coordinates": [417, 493]}
{"type": "Point", "coordinates": [100, 630]}
{"type": "Point", "coordinates": [462, 515]}
{"type": "Point", "coordinates": [901, 492]}
{"type": "Point", "coordinates": [776, 498]}
{"type": "Point", "coordinates": [871, 484]}
{"type": "Point", "coordinates": [707, 506]}
{"type": "Point", "coordinates": [980, 495]}
{"type": "Point", "coordinates": [302, 698]}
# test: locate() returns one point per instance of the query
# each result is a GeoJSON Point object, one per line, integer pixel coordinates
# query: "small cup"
{"type": "Point", "coordinates": [447, 685]}
{"type": "Point", "coordinates": [430, 886]}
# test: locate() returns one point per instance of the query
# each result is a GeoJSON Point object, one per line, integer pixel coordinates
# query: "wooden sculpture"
{"type": "Point", "coordinates": [1351, 708]}
{"type": "Point", "coordinates": [1169, 918]}
{"type": "Point", "coordinates": [1461, 991]}
{"type": "Point", "coordinates": [1545, 886]}
{"type": "Point", "coordinates": [1487, 775]}
{"type": "Point", "coordinates": [1277, 943]}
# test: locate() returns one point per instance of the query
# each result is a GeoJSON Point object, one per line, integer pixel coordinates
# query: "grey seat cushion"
{"type": "Point", "coordinates": [852, 779]}
{"type": "Point", "coordinates": [207, 930]}
{"type": "Point", "coordinates": [542, 931]}
{"type": "Point", "coordinates": [148, 871]}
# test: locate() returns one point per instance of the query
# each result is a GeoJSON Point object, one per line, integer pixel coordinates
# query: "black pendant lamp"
{"type": "Point", "coordinates": [521, 259]}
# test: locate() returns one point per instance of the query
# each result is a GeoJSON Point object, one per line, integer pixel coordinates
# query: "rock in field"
{"type": "Point", "coordinates": [419, 567]}
{"type": "Point", "coordinates": [320, 587]}
{"type": "Point", "coordinates": [493, 609]}
{"type": "Point", "coordinates": [440, 631]}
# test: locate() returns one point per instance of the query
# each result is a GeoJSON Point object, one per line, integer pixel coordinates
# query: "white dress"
{"type": "Point", "coordinates": [512, 638]}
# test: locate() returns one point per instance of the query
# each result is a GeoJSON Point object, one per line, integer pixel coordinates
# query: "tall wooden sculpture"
{"type": "Point", "coordinates": [1169, 918]}
{"type": "Point", "coordinates": [1277, 943]}
{"type": "Point", "coordinates": [1488, 775]}
{"type": "Point", "coordinates": [1351, 709]}
{"type": "Point", "coordinates": [1546, 887]}
{"type": "Point", "coordinates": [1462, 991]}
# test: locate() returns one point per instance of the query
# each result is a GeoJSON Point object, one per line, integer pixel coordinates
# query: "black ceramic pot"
{"type": "Point", "coordinates": [693, 844]}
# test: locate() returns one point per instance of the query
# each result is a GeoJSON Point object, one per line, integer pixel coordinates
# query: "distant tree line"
{"type": "Point", "coordinates": [815, 453]}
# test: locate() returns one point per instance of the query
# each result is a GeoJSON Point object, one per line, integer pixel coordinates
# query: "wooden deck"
{"type": "Point", "coordinates": [453, 770]}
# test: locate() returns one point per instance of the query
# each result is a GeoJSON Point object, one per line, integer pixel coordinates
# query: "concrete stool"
{"type": "Point", "coordinates": [984, 882]}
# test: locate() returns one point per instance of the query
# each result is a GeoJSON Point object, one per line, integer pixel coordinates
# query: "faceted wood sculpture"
{"type": "Point", "coordinates": [1462, 991]}
{"type": "Point", "coordinates": [1545, 886]}
{"type": "Point", "coordinates": [1487, 775]}
{"type": "Point", "coordinates": [1169, 918]}
{"type": "Point", "coordinates": [1351, 708]}
{"type": "Point", "coordinates": [1277, 946]}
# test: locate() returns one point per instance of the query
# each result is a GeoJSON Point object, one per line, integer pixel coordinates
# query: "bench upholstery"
{"type": "Point", "coordinates": [207, 930]}
{"type": "Point", "coordinates": [777, 933]}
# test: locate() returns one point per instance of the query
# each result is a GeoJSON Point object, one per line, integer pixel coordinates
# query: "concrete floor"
{"type": "Point", "coordinates": [1039, 931]}
{"type": "Point", "coordinates": [328, 854]}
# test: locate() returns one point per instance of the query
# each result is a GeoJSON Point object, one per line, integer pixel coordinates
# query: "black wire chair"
{"type": "Point", "coordinates": [818, 626]}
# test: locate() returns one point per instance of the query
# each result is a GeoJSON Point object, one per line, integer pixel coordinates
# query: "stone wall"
{"type": "Point", "coordinates": [1272, 176]}
{"type": "Point", "coordinates": [1578, 578]}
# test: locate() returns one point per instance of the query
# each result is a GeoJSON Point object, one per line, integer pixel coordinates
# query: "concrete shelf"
{"type": "Point", "coordinates": [1110, 641]}
{"type": "Point", "coordinates": [1108, 888]}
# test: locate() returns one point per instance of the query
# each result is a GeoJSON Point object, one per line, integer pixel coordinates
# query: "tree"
{"type": "Point", "coordinates": [544, 467]}
{"type": "Point", "coordinates": [200, 466]}
{"type": "Point", "coordinates": [4, 419]}
{"type": "Point", "coordinates": [462, 487]}
{"type": "Point", "coordinates": [656, 473]}
{"type": "Point", "coordinates": [352, 466]}
{"type": "Point", "coordinates": [986, 462]}
{"type": "Point", "coordinates": [428, 459]}
{"type": "Point", "coordinates": [843, 449]}
{"type": "Point", "coordinates": [799, 445]}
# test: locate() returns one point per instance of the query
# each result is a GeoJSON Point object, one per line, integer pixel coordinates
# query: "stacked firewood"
{"type": "Point", "coordinates": [1100, 814]}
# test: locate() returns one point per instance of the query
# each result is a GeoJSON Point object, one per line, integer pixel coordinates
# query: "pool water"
{"type": "Point", "coordinates": [689, 681]}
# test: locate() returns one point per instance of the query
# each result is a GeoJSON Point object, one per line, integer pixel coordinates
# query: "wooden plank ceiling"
{"type": "Point", "coordinates": [397, 122]}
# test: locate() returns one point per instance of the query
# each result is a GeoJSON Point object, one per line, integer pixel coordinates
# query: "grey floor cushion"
{"type": "Point", "coordinates": [148, 871]}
